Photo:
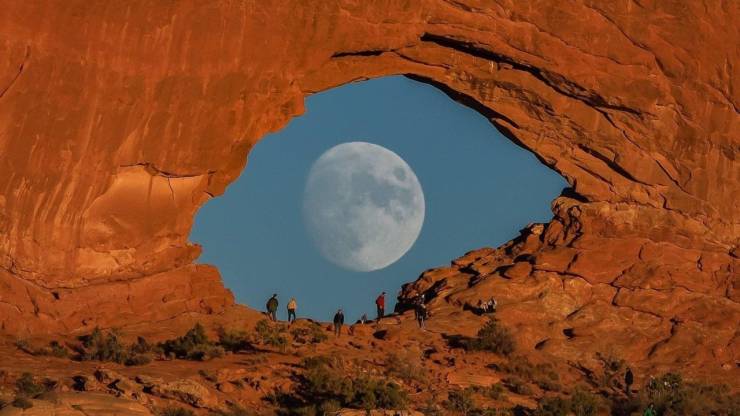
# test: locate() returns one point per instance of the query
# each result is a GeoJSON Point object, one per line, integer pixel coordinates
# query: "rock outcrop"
{"type": "Point", "coordinates": [118, 121]}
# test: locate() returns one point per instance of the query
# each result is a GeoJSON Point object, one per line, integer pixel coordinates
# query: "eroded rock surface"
{"type": "Point", "coordinates": [118, 121]}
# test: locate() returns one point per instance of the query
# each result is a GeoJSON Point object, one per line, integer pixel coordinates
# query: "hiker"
{"type": "Point", "coordinates": [272, 305]}
{"type": "Point", "coordinates": [380, 303]}
{"type": "Point", "coordinates": [629, 378]}
{"type": "Point", "coordinates": [481, 307]}
{"type": "Point", "coordinates": [650, 411]}
{"type": "Point", "coordinates": [338, 322]}
{"type": "Point", "coordinates": [421, 314]}
{"type": "Point", "coordinates": [292, 306]}
{"type": "Point", "coordinates": [491, 305]}
{"type": "Point", "coordinates": [363, 319]}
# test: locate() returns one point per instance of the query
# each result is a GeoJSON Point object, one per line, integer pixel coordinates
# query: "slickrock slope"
{"type": "Point", "coordinates": [119, 120]}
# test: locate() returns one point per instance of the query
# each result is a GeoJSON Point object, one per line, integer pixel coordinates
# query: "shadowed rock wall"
{"type": "Point", "coordinates": [118, 120]}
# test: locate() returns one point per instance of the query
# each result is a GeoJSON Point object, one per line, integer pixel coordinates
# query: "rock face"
{"type": "Point", "coordinates": [118, 121]}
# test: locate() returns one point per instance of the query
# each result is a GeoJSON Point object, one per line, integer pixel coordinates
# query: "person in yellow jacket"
{"type": "Point", "coordinates": [292, 306]}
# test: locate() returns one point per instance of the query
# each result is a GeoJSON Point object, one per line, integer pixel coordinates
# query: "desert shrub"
{"type": "Point", "coordinates": [233, 410]}
{"type": "Point", "coordinates": [54, 349]}
{"type": "Point", "coordinates": [674, 396]}
{"type": "Point", "coordinates": [405, 368]}
{"type": "Point", "coordinates": [612, 367]}
{"type": "Point", "coordinates": [21, 403]}
{"type": "Point", "coordinates": [552, 406]}
{"type": "Point", "coordinates": [194, 345]}
{"type": "Point", "coordinates": [27, 386]}
{"type": "Point", "coordinates": [460, 401]}
{"type": "Point", "coordinates": [495, 391]}
{"type": "Point", "coordinates": [312, 334]}
{"type": "Point", "coordinates": [491, 412]}
{"type": "Point", "coordinates": [543, 375]}
{"type": "Point", "coordinates": [517, 385]}
{"type": "Point", "coordinates": [176, 411]}
{"type": "Point", "coordinates": [324, 386]}
{"type": "Point", "coordinates": [234, 341]}
{"type": "Point", "coordinates": [102, 346]}
{"type": "Point", "coordinates": [581, 403]}
{"type": "Point", "coordinates": [493, 338]}
{"type": "Point", "coordinates": [272, 335]}
{"type": "Point", "coordinates": [584, 403]}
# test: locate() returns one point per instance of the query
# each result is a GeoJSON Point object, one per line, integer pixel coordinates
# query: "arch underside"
{"type": "Point", "coordinates": [111, 151]}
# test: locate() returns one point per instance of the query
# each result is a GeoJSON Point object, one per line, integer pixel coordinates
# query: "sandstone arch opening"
{"type": "Point", "coordinates": [480, 189]}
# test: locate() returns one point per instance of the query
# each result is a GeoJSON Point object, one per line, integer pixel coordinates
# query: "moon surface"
{"type": "Point", "coordinates": [363, 206]}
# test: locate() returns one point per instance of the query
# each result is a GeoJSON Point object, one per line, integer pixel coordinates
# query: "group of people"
{"type": "Point", "coordinates": [488, 306]}
{"type": "Point", "coordinates": [273, 303]}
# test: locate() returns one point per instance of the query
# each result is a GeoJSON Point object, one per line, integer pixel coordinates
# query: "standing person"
{"type": "Point", "coordinates": [338, 322]}
{"type": "Point", "coordinates": [650, 411]}
{"type": "Point", "coordinates": [421, 314]}
{"type": "Point", "coordinates": [380, 304]}
{"type": "Point", "coordinates": [272, 305]}
{"type": "Point", "coordinates": [629, 378]}
{"type": "Point", "coordinates": [292, 306]}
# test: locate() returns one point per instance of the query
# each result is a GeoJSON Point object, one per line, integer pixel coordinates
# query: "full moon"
{"type": "Point", "coordinates": [363, 206]}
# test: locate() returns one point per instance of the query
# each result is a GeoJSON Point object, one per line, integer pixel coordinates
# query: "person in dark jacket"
{"type": "Point", "coordinates": [629, 378]}
{"type": "Point", "coordinates": [272, 305]}
{"type": "Point", "coordinates": [338, 322]}
{"type": "Point", "coordinates": [421, 314]}
{"type": "Point", "coordinates": [380, 304]}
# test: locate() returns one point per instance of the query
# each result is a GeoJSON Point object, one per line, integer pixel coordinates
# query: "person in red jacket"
{"type": "Point", "coordinates": [380, 303]}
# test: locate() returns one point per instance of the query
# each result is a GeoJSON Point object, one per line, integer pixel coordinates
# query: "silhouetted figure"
{"type": "Point", "coordinates": [380, 304]}
{"type": "Point", "coordinates": [292, 306]}
{"type": "Point", "coordinates": [650, 411]}
{"type": "Point", "coordinates": [421, 314]}
{"type": "Point", "coordinates": [272, 305]}
{"type": "Point", "coordinates": [629, 378]}
{"type": "Point", "coordinates": [338, 322]}
{"type": "Point", "coordinates": [363, 319]}
{"type": "Point", "coordinates": [491, 305]}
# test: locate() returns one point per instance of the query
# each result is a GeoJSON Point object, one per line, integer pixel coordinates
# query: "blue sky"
{"type": "Point", "coordinates": [479, 188]}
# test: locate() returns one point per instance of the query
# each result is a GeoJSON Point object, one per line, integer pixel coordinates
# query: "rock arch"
{"type": "Point", "coordinates": [117, 121]}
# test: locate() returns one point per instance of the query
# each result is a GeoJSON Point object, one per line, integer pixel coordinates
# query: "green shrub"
{"type": "Point", "coordinates": [21, 403]}
{"type": "Point", "coordinates": [194, 345]}
{"type": "Point", "coordinates": [312, 334]}
{"type": "Point", "coordinates": [584, 403]}
{"type": "Point", "coordinates": [176, 411]}
{"type": "Point", "coordinates": [673, 396]}
{"type": "Point", "coordinates": [552, 406]}
{"type": "Point", "coordinates": [495, 391]}
{"type": "Point", "coordinates": [27, 386]}
{"type": "Point", "coordinates": [234, 341]}
{"type": "Point", "coordinates": [581, 403]}
{"type": "Point", "coordinates": [325, 386]}
{"type": "Point", "coordinates": [493, 338]}
{"type": "Point", "coordinates": [612, 367]}
{"type": "Point", "coordinates": [234, 410]}
{"type": "Point", "coordinates": [517, 385]}
{"type": "Point", "coordinates": [543, 375]}
{"type": "Point", "coordinates": [272, 335]}
{"type": "Point", "coordinates": [460, 401]}
{"type": "Point", "coordinates": [102, 346]}
{"type": "Point", "coordinates": [405, 368]}
{"type": "Point", "coordinates": [54, 349]}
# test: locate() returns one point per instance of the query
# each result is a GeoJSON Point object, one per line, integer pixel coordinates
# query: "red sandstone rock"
{"type": "Point", "coordinates": [117, 122]}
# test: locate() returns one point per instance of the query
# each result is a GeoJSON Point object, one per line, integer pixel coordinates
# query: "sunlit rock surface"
{"type": "Point", "coordinates": [119, 120]}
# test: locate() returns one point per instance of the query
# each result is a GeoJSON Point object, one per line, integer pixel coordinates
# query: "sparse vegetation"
{"type": "Point", "coordinates": [21, 403]}
{"type": "Point", "coordinates": [27, 386]}
{"type": "Point", "coordinates": [517, 385]}
{"type": "Point", "coordinates": [54, 349]}
{"type": "Point", "coordinates": [460, 401]}
{"type": "Point", "coordinates": [580, 403]}
{"type": "Point", "coordinates": [405, 368]}
{"type": "Point", "coordinates": [176, 411]}
{"type": "Point", "coordinates": [234, 341]}
{"type": "Point", "coordinates": [313, 333]}
{"type": "Point", "coordinates": [612, 367]}
{"type": "Point", "coordinates": [106, 346]}
{"type": "Point", "coordinates": [325, 387]}
{"type": "Point", "coordinates": [493, 337]}
{"type": "Point", "coordinates": [234, 410]}
{"type": "Point", "coordinates": [543, 375]}
{"type": "Point", "coordinates": [674, 396]}
{"type": "Point", "coordinates": [194, 345]}
{"type": "Point", "coordinates": [272, 334]}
